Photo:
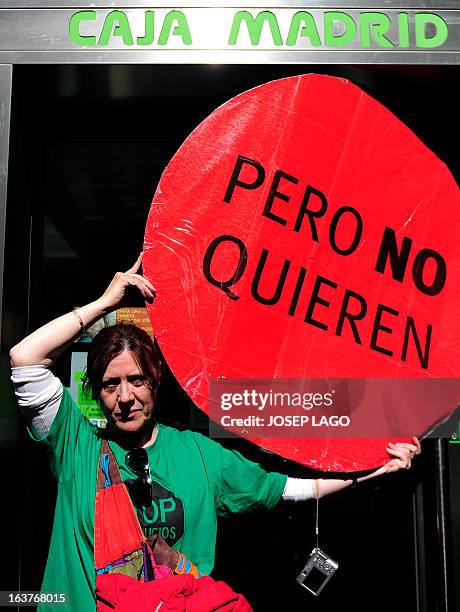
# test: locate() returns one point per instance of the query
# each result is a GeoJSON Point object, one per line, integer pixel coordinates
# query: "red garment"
{"type": "Point", "coordinates": [116, 529]}
{"type": "Point", "coordinates": [182, 593]}
{"type": "Point", "coordinates": [117, 532]}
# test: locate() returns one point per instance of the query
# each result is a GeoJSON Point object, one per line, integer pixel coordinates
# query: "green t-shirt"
{"type": "Point", "coordinates": [195, 480]}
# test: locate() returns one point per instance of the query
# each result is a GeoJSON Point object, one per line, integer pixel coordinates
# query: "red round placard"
{"type": "Point", "coordinates": [303, 231]}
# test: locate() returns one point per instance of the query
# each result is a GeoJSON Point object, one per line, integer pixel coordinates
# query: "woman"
{"type": "Point", "coordinates": [178, 485]}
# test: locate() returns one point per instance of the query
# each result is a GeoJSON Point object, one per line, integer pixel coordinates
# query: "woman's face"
{"type": "Point", "coordinates": [127, 401]}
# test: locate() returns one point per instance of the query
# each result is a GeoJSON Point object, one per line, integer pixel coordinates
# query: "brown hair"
{"type": "Point", "coordinates": [111, 342]}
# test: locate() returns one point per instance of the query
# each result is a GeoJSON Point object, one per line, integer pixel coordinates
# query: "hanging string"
{"type": "Point", "coordinates": [317, 515]}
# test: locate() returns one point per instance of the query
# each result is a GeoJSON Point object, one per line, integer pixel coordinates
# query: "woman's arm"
{"type": "Point", "coordinates": [44, 345]}
{"type": "Point", "coordinates": [38, 391]}
{"type": "Point", "coordinates": [300, 489]}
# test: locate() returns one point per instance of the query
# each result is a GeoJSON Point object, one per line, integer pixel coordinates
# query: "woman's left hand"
{"type": "Point", "coordinates": [403, 453]}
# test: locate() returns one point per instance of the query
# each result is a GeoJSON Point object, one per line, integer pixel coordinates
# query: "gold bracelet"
{"type": "Point", "coordinates": [82, 325]}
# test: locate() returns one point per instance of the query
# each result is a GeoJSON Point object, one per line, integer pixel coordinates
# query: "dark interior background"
{"type": "Point", "coordinates": [88, 146]}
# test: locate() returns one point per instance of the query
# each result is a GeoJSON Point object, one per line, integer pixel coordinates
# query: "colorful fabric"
{"type": "Point", "coordinates": [196, 480]}
{"type": "Point", "coordinates": [117, 533]}
{"type": "Point", "coordinates": [185, 566]}
{"type": "Point", "coordinates": [120, 547]}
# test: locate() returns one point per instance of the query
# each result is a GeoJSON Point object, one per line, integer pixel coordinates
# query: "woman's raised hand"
{"type": "Point", "coordinates": [402, 454]}
{"type": "Point", "coordinates": [45, 344]}
{"type": "Point", "coordinates": [116, 291]}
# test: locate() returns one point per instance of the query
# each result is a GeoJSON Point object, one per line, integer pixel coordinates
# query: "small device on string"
{"type": "Point", "coordinates": [319, 567]}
